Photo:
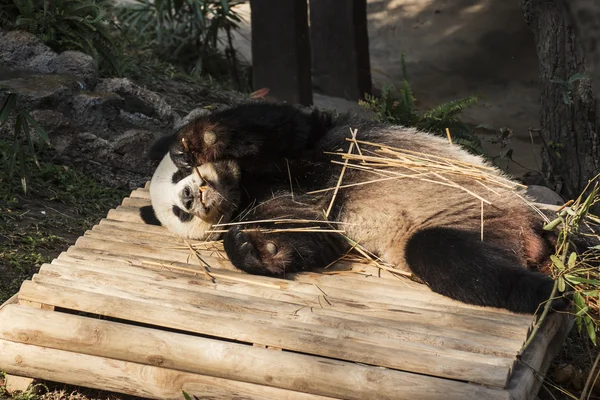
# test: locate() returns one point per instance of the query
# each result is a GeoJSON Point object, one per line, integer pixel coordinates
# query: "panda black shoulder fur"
{"type": "Point", "coordinates": [247, 154]}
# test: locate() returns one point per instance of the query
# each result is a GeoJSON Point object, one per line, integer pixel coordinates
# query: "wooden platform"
{"type": "Point", "coordinates": [128, 309]}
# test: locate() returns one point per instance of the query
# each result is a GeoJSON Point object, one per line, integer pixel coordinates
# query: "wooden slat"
{"type": "Point", "coordinates": [141, 193]}
{"type": "Point", "coordinates": [266, 330]}
{"type": "Point", "coordinates": [238, 362]}
{"type": "Point", "coordinates": [135, 202]}
{"type": "Point", "coordinates": [127, 377]}
{"type": "Point", "coordinates": [495, 346]}
{"type": "Point", "coordinates": [128, 214]}
{"type": "Point", "coordinates": [344, 295]}
{"type": "Point", "coordinates": [460, 321]}
{"type": "Point", "coordinates": [526, 378]}
{"type": "Point", "coordinates": [377, 289]}
{"type": "Point", "coordinates": [393, 329]}
{"type": "Point", "coordinates": [133, 228]}
{"type": "Point", "coordinates": [138, 247]}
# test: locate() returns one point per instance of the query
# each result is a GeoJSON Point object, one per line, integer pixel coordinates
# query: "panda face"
{"type": "Point", "coordinates": [188, 204]}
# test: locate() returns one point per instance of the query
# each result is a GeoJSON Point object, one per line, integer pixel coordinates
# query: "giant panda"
{"type": "Point", "coordinates": [261, 161]}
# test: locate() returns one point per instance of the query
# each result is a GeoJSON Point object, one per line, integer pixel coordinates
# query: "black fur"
{"type": "Point", "coordinates": [179, 175]}
{"type": "Point", "coordinates": [254, 134]}
{"type": "Point", "coordinates": [148, 216]}
{"type": "Point", "coordinates": [182, 215]}
{"type": "Point", "coordinates": [161, 147]}
{"type": "Point", "coordinates": [459, 265]}
{"type": "Point", "coordinates": [277, 254]}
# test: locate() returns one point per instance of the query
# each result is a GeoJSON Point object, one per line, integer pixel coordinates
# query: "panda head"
{"type": "Point", "coordinates": [188, 204]}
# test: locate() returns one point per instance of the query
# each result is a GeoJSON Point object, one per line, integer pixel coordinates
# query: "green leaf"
{"type": "Point", "coordinates": [9, 105]}
{"type": "Point", "coordinates": [13, 156]}
{"type": "Point", "coordinates": [591, 293]}
{"type": "Point", "coordinates": [572, 260]}
{"type": "Point", "coordinates": [40, 131]}
{"type": "Point", "coordinates": [23, 172]}
{"type": "Point", "coordinates": [185, 395]}
{"type": "Point", "coordinates": [590, 328]}
{"type": "Point", "coordinates": [557, 262]}
{"type": "Point", "coordinates": [550, 226]}
{"type": "Point", "coordinates": [576, 280]}
{"type": "Point", "coordinates": [561, 284]}
{"type": "Point", "coordinates": [577, 76]}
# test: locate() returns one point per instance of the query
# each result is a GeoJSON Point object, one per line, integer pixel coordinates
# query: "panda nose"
{"type": "Point", "coordinates": [187, 197]}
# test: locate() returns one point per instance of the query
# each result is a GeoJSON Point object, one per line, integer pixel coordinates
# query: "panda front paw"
{"type": "Point", "coordinates": [199, 142]}
{"type": "Point", "coordinates": [253, 252]}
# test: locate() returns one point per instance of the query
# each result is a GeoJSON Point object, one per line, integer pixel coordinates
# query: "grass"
{"type": "Point", "coordinates": [60, 205]}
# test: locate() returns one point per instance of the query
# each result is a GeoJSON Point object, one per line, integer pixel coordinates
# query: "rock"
{"type": "Point", "coordinates": [78, 64]}
{"type": "Point", "coordinates": [542, 194]}
{"type": "Point", "coordinates": [35, 90]}
{"type": "Point", "coordinates": [140, 101]}
{"type": "Point", "coordinates": [195, 113]}
{"type": "Point", "coordinates": [132, 141]}
{"type": "Point", "coordinates": [98, 112]}
{"type": "Point", "coordinates": [58, 127]}
{"type": "Point", "coordinates": [23, 51]}
{"type": "Point", "coordinates": [131, 148]}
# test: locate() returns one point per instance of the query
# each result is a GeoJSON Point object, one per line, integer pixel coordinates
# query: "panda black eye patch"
{"type": "Point", "coordinates": [182, 215]}
{"type": "Point", "coordinates": [178, 175]}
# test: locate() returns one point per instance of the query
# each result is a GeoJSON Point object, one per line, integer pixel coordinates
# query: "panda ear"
{"type": "Point", "coordinates": [148, 216]}
{"type": "Point", "coordinates": [161, 147]}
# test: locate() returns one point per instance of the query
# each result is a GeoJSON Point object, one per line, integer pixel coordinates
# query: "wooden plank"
{"type": "Point", "coordinates": [133, 228]}
{"type": "Point", "coordinates": [343, 299]}
{"type": "Point", "coordinates": [141, 193]}
{"type": "Point", "coordinates": [127, 377]}
{"type": "Point", "coordinates": [377, 289]}
{"type": "Point", "coordinates": [340, 48]}
{"type": "Point", "coordinates": [125, 213]}
{"type": "Point", "coordinates": [135, 202]}
{"type": "Point", "coordinates": [394, 329]}
{"type": "Point", "coordinates": [134, 245]}
{"type": "Point", "coordinates": [281, 50]}
{"type": "Point", "coordinates": [406, 289]}
{"type": "Point", "coordinates": [409, 313]}
{"type": "Point", "coordinates": [285, 370]}
{"type": "Point", "coordinates": [278, 289]}
{"type": "Point", "coordinates": [496, 346]}
{"type": "Point", "coordinates": [527, 375]}
{"type": "Point", "coordinates": [326, 342]}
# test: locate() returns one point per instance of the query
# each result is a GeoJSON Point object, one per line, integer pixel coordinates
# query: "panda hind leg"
{"type": "Point", "coordinates": [459, 265]}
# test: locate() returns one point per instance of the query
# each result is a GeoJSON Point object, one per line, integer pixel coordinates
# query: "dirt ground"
{"type": "Point", "coordinates": [454, 49]}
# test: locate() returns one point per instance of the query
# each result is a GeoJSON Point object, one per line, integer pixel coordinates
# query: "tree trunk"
{"type": "Point", "coordinates": [585, 15]}
{"type": "Point", "coordinates": [568, 120]}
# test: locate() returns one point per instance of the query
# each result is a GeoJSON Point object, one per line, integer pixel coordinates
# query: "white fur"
{"type": "Point", "coordinates": [165, 195]}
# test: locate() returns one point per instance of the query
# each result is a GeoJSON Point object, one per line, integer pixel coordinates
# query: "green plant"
{"type": "Point", "coordinates": [185, 32]}
{"type": "Point", "coordinates": [22, 120]}
{"type": "Point", "coordinates": [399, 108]}
{"type": "Point", "coordinates": [575, 270]}
{"type": "Point", "coordinates": [568, 85]}
{"type": "Point", "coordinates": [67, 25]}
